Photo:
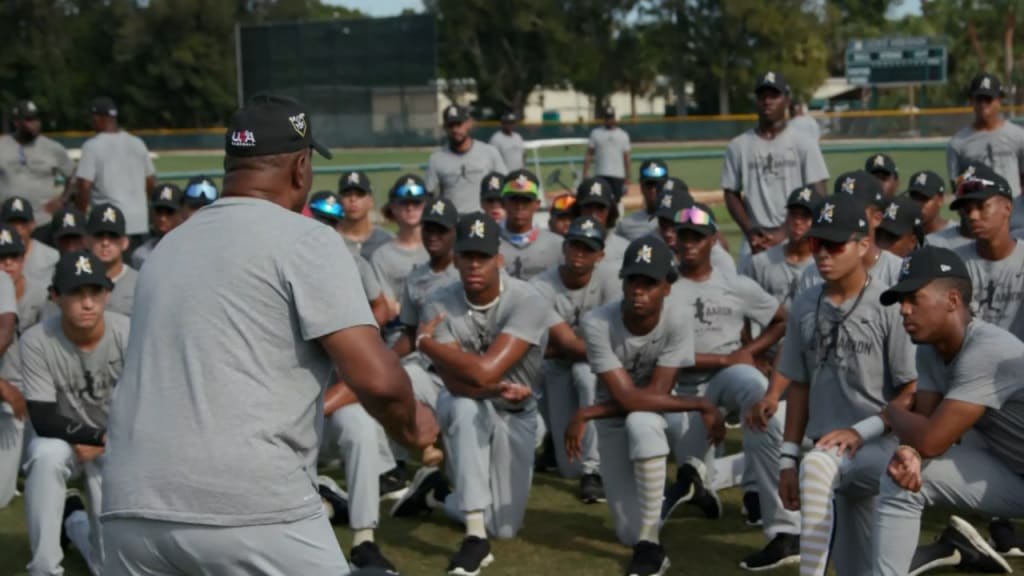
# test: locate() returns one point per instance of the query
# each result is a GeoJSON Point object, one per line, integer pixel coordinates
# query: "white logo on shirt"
{"type": "Point", "coordinates": [645, 254]}
{"type": "Point", "coordinates": [299, 123]}
{"type": "Point", "coordinates": [891, 211]}
{"type": "Point", "coordinates": [109, 215]}
{"type": "Point", "coordinates": [477, 229]}
{"type": "Point", "coordinates": [827, 212]}
{"type": "Point", "coordinates": [595, 189]}
{"type": "Point", "coordinates": [17, 205]}
{"type": "Point", "coordinates": [437, 208]}
{"type": "Point", "coordinates": [83, 265]}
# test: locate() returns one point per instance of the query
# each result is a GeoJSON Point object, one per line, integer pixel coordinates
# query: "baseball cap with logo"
{"type": "Point", "coordinates": [608, 112]}
{"type": "Point", "coordinates": [979, 182]}
{"type": "Point", "coordinates": [648, 256]}
{"type": "Point", "coordinates": [490, 186]}
{"type": "Point", "coordinates": [901, 216]}
{"type": "Point", "coordinates": [354, 180]}
{"type": "Point", "coordinates": [441, 211]}
{"type": "Point", "coordinates": [587, 231]}
{"type": "Point", "coordinates": [880, 163]}
{"type": "Point", "coordinates": [166, 196]}
{"type": "Point", "coordinates": [10, 242]}
{"type": "Point", "coordinates": [68, 221]}
{"type": "Point", "coordinates": [200, 191]}
{"type": "Point", "coordinates": [268, 125]}
{"type": "Point", "coordinates": [927, 184]}
{"type": "Point", "coordinates": [772, 80]}
{"type": "Point", "coordinates": [106, 218]}
{"type": "Point", "coordinates": [803, 197]}
{"type": "Point", "coordinates": [673, 196]}
{"type": "Point", "coordinates": [477, 232]}
{"type": "Point", "coordinates": [595, 190]}
{"type": "Point", "coordinates": [521, 184]}
{"type": "Point", "coordinates": [509, 117]}
{"type": "Point", "coordinates": [326, 205]}
{"type": "Point", "coordinates": [77, 269]}
{"type": "Point", "coordinates": [862, 186]}
{"type": "Point", "coordinates": [921, 267]}
{"type": "Point", "coordinates": [653, 171]}
{"type": "Point", "coordinates": [985, 84]}
{"type": "Point", "coordinates": [408, 187]}
{"type": "Point", "coordinates": [104, 106]}
{"type": "Point", "coordinates": [696, 217]}
{"type": "Point", "coordinates": [25, 110]}
{"type": "Point", "coordinates": [16, 209]}
{"type": "Point", "coordinates": [838, 218]}
{"type": "Point", "coordinates": [455, 114]}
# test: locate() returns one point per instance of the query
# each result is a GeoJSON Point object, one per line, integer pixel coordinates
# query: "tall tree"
{"type": "Point", "coordinates": [596, 27]}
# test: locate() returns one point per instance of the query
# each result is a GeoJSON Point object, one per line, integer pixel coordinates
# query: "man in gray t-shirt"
{"type": "Point", "coordinates": [107, 241]}
{"type": "Point", "coordinates": [801, 121]}
{"type": "Point", "coordinates": [608, 150]}
{"type": "Point", "coordinates": [779, 268]}
{"type": "Point", "coordinates": [12, 401]}
{"type": "Point", "coordinates": [991, 139]}
{"type": "Point", "coordinates": [225, 374]}
{"type": "Point", "coordinates": [455, 170]}
{"type": "Point", "coordinates": [39, 258]}
{"type": "Point", "coordinates": [509, 142]}
{"type": "Point", "coordinates": [528, 250]}
{"type": "Point", "coordinates": [115, 168]}
{"type": "Point", "coordinates": [969, 388]}
{"type": "Point", "coordinates": [30, 163]}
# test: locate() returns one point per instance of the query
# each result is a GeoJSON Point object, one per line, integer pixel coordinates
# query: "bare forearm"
{"type": "Point", "coordinates": [471, 369]}
{"type": "Point", "coordinates": [642, 401]}
{"type": "Point", "coordinates": [796, 413]}
{"type": "Point", "coordinates": [606, 409]}
{"type": "Point", "coordinates": [403, 346]}
{"type": "Point", "coordinates": [768, 337]}
{"type": "Point", "coordinates": [84, 194]}
{"type": "Point", "coordinates": [8, 323]}
{"type": "Point", "coordinates": [738, 211]}
{"type": "Point", "coordinates": [910, 428]}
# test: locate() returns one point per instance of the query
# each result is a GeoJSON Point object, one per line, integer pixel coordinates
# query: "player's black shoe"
{"type": "Point", "coordinates": [752, 509]}
{"type": "Point", "coordinates": [1003, 537]}
{"type": "Point", "coordinates": [783, 550]}
{"type": "Point", "coordinates": [473, 555]}
{"type": "Point", "coordinates": [977, 555]}
{"type": "Point", "coordinates": [72, 503]}
{"type": "Point", "coordinates": [393, 483]}
{"type": "Point", "coordinates": [545, 461]}
{"type": "Point", "coordinates": [368, 555]}
{"type": "Point", "coordinates": [335, 500]}
{"type": "Point", "coordinates": [414, 501]}
{"type": "Point", "coordinates": [938, 554]}
{"type": "Point", "coordinates": [591, 489]}
{"type": "Point", "coordinates": [704, 499]}
{"type": "Point", "coordinates": [679, 492]}
{"type": "Point", "coordinates": [648, 559]}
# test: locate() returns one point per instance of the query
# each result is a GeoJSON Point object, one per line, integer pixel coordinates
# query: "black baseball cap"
{"type": "Point", "coordinates": [441, 211]}
{"type": "Point", "coordinates": [77, 269]}
{"type": "Point", "coordinates": [985, 84]}
{"type": "Point", "coordinates": [653, 171]}
{"type": "Point", "coordinates": [587, 231]}
{"type": "Point", "coordinates": [608, 112]}
{"type": "Point", "coordinates": [200, 191]}
{"type": "Point", "coordinates": [271, 124]}
{"type": "Point", "coordinates": [10, 241]}
{"type": "Point", "coordinates": [326, 205]}
{"type": "Point", "coordinates": [166, 196]}
{"type": "Point", "coordinates": [490, 186]}
{"type": "Point", "coordinates": [648, 256]}
{"type": "Point", "coordinates": [354, 180]}
{"type": "Point", "coordinates": [595, 190]}
{"type": "Point", "coordinates": [17, 209]}
{"type": "Point", "coordinates": [921, 267]}
{"type": "Point", "coordinates": [979, 182]}
{"type": "Point", "coordinates": [408, 187]}
{"type": "Point", "coordinates": [521, 184]}
{"type": "Point", "coordinates": [104, 106]}
{"type": "Point", "coordinates": [927, 184]}
{"type": "Point", "coordinates": [455, 114]}
{"type": "Point", "coordinates": [901, 216]}
{"type": "Point", "coordinates": [68, 221]}
{"type": "Point", "coordinates": [477, 232]}
{"type": "Point", "coordinates": [562, 204]}
{"type": "Point", "coordinates": [106, 218]}
{"type": "Point", "coordinates": [772, 80]}
{"type": "Point", "coordinates": [862, 186]}
{"type": "Point", "coordinates": [509, 117]}
{"type": "Point", "coordinates": [25, 110]}
{"type": "Point", "coordinates": [673, 196]}
{"type": "Point", "coordinates": [880, 163]}
{"type": "Point", "coordinates": [803, 197]}
{"type": "Point", "coordinates": [696, 217]}
{"type": "Point", "coordinates": [837, 218]}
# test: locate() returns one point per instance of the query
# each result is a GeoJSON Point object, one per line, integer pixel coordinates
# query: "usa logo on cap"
{"type": "Point", "coordinates": [243, 138]}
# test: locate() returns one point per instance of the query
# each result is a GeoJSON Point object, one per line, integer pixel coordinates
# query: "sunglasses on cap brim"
{"type": "Point", "coordinates": [968, 185]}
{"type": "Point", "coordinates": [653, 172]}
{"type": "Point", "coordinates": [694, 216]}
{"type": "Point", "coordinates": [410, 191]}
{"type": "Point", "coordinates": [563, 203]}
{"type": "Point", "coordinates": [832, 247]}
{"type": "Point", "coordinates": [201, 190]}
{"type": "Point", "coordinates": [325, 208]}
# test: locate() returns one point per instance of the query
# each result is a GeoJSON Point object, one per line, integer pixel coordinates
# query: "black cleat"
{"type": "Point", "coordinates": [1003, 537]}
{"type": "Point", "coordinates": [393, 484]}
{"type": "Point", "coordinates": [545, 461]}
{"type": "Point", "coordinates": [752, 509]}
{"type": "Point", "coordinates": [335, 500]}
{"type": "Point", "coordinates": [679, 492]}
{"type": "Point", "coordinates": [368, 555]}
{"type": "Point", "coordinates": [783, 550]}
{"type": "Point", "coordinates": [938, 554]}
{"type": "Point", "coordinates": [414, 501]}
{"type": "Point", "coordinates": [706, 500]}
{"type": "Point", "coordinates": [648, 559]}
{"type": "Point", "coordinates": [591, 489]}
{"type": "Point", "coordinates": [72, 503]}
{"type": "Point", "coordinates": [473, 555]}
{"type": "Point", "coordinates": [976, 553]}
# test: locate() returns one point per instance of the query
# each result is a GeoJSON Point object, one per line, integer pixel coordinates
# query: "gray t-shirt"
{"type": "Point", "coordinates": [123, 296]}
{"type": "Point", "coordinates": [511, 147]}
{"type": "Point", "coordinates": [143, 252]}
{"type": "Point", "coordinates": [611, 346]}
{"type": "Point", "coordinates": [615, 249]}
{"type": "Point", "coordinates": [885, 272]}
{"type": "Point", "coordinates": [806, 125]}
{"type": "Point", "coordinates": [719, 307]}
{"type": "Point", "coordinates": [1001, 149]}
{"type": "Point", "coordinates": [948, 237]}
{"type": "Point", "coordinates": [853, 368]}
{"type": "Point", "coordinates": [636, 225]}
{"type": "Point", "coordinates": [998, 287]}
{"type": "Point", "coordinates": [29, 171]}
{"type": "Point", "coordinates": [10, 364]}
{"type": "Point", "coordinates": [766, 171]}
{"type": "Point", "coordinates": [368, 278]}
{"type": "Point", "coordinates": [224, 376]}
{"type": "Point", "coordinates": [524, 261]}
{"type": "Point", "coordinates": [392, 264]}
{"type": "Point", "coordinates": [419, 285]}
{"type": "Point", "coordinates": [40, 262]}
{"type": "Point", "coordinates": [378, 237]}
{"type": "Point", "coordinates": [117, 164]}
{"type": "Point", "coordinates": [30, 313]}
{"type": "Point", "coordinates": [986, 372]}
{"type": "Point", "coordinates": [520, 313]}
{"type": "Point", "coordinates": [81, 383]}
{"type": "Point", "coordinates": [457, 176]}
{"type": "Point", "coordinates": [778, 276]}
{"type": "Point", "coordinates": [609, 146]}
{"type": "Point", "coordinates": [572, 305]}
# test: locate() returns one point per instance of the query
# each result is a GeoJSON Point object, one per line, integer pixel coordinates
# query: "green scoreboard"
{"type": "Point", "coordinates": [896, 61]}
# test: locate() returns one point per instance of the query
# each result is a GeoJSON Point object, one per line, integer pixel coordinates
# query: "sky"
{"type": "Point", "coordinates": [380, 7]}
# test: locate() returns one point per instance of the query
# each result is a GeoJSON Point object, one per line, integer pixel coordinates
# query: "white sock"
{"type": "Point", "coordinates": [475, 524]}
{"type": "Point", "coordinates": [819, 472]}
{"type": "Point", "coordinates": [362, 535]}
{"type": "Point", "coordinates": [650, 484]}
